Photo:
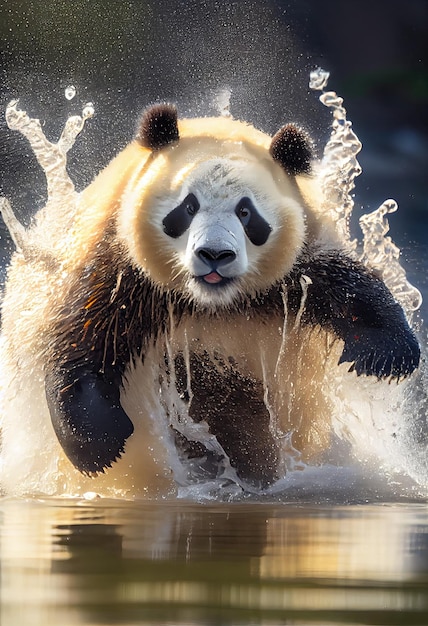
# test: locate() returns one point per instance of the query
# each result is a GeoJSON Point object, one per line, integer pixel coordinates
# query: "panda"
{"type": "Point", "coordinates": [194, 263]}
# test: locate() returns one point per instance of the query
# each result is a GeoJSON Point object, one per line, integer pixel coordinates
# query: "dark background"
{"type": "Point", "coordinates": [123, 55]}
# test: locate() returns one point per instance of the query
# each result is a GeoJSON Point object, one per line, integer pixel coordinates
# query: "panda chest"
{"type": "Point", "coordinates": [230, 358]}
{"type": "Point", "coordinates": [218, 379]}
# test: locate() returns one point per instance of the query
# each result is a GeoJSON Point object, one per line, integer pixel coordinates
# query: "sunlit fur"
{"type": "Point", "coordinates": [220, 160]}
{"type": "Point", "coordinates": [139, 187]}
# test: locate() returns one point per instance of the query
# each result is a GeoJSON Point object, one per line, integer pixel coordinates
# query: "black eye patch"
{"type": "Point", "coordinates": [179, 219]}
{"type": "Point", "coordinates": [255, 226]}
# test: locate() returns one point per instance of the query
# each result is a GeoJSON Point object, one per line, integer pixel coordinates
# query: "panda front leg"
{"type": "Point", "coordinates": [106, 317]}
{"type": "Point", "coordinates": [351, 301]}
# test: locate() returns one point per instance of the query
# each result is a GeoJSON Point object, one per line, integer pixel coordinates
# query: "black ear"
{"type": "Point", "coordinates": [158, 127]}
{"type": "Point", "coordinates": [292, 148]}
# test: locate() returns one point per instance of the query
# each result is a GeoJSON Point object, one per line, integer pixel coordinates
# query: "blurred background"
{"type": "Point", "coordinates": [122, 55]}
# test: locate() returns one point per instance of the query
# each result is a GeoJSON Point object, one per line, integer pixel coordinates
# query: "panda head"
{"type": "Point", "coordinates": [214, 212]}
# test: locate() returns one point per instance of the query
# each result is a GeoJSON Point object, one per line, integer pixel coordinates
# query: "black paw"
{"type": "Point", "coordinates": [375, 353]}
{"type": "Point", "coordinates": [88, 419]}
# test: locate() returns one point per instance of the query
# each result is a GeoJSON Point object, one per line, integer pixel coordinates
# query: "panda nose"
{"type": "Point", "coordinates": [215, 258]}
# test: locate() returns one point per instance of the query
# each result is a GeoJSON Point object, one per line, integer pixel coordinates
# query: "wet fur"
{"type": "Point", "coordinates": [108, 314]}
{"type": "Point", "coordinates": [119, 315]}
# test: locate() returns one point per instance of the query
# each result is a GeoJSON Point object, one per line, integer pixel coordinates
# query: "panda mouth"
{"type": "Point", "coordinates": [214, 279]}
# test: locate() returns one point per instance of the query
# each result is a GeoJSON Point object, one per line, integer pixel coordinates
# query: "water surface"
{"type": "Point", "coordinates": [72, 562]}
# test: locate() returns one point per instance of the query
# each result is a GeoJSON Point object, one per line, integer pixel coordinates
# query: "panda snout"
{"type": "Point", "coordinates": [215, 259]}
{"type": "Point", "coordinates": [217, 255]}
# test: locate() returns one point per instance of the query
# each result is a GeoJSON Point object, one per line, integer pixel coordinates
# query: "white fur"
{"type": "Point", "coordinates": [219, 185]}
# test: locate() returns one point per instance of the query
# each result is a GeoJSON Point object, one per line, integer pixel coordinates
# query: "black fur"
{"type": "Point", "coordinates": [291, 146]}
{"type": "Point", "coordinates": [158, 127]}
{"type": "Point", "coordinates": [256, 227]}
{"type": "Point", "coordinates": [113, 312]}
{"type": "Point", "coordinates": [179, 219]}
{"type": "Point", "coordinates": [87, 416]}
{"type": "Point", "coordinates": [356, 306]}
{"type": "Point", "coordinates": [233, 406]}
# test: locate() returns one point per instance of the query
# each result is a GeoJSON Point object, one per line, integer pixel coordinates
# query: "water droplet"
{"type": "Point", "coordinates": [88, 110]}
{"type": "Point", "coordinates": [70, 92]}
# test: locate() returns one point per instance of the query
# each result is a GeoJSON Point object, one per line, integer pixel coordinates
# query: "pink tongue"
{"type": "Point", "coordinates": [213, 278]}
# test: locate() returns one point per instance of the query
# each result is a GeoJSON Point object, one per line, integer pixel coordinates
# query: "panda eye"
{"type": "Point", "coordinates": [191, 205]}
{"type": "Point", "coordinates": [244, 214]}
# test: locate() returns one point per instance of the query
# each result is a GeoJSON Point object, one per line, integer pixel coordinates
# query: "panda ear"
{"type": "Point", "coordinates": [158, 127]}
{"type": "Point", "coordinates": [292, 147]}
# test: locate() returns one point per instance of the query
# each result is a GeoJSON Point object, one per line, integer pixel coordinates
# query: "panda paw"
{"type": "Point", "coordinates": [88, 419]}
{"type": "Point", "coordinates": [374, 353]}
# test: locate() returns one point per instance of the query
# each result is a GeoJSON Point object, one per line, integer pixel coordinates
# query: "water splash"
{"type": "Point", "coordinates": [16, 229]}
{"type": "Point", "coordinates": [381, 254]}
{"type": "Point", "coordinates": [339, 168]}
{"type": "Point", "coordinates": [385, 424]}
{"type": "Point", "coordinates": [52, 158]}
{"type": "Point", "coordinates": [339, 163]}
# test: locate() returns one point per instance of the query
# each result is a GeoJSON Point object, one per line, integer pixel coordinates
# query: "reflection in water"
{"type": "Point", "coordinates": [68, 562]}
